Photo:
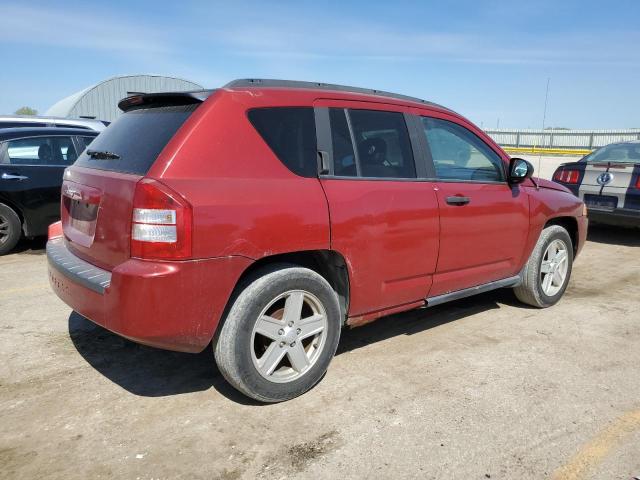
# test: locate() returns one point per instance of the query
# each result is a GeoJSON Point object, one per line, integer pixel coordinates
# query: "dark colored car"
{"type": "Point", "coordinates": [32, 163]}
{"type": "Point", "coordinates": [608, 181]}
{"type": "Point", "coordinates": [264, 216]}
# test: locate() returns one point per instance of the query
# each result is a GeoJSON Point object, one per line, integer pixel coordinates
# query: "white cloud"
{"type": "Point", "coordinates": [67, 28]}
{"type": "Point", "coordinates": [285, 34]}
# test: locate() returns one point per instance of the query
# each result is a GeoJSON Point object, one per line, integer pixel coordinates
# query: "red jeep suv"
{"type": "Point", "coordinates": [264, 216]}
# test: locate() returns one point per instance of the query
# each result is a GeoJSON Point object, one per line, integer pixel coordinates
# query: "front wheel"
{"type": "Point", "coordinates": [546, 275]}
{"type": "Point", "coordinates": [280, 334]}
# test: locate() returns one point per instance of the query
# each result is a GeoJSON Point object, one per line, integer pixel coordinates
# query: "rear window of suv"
{"type": "Point", "coordinates": [137, 137]}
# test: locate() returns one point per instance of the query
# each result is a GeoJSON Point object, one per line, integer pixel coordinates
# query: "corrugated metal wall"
{"type": "Point", "coordinates": [101, 101]}
{"type": "Point", "coordinates": [585, 139]}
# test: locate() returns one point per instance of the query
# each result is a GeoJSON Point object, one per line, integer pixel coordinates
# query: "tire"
{"type": "Point", "coordinates": [10, 229]}
{"type": "Point", "coordinates": [265, 322]}
{"type": "Point", "coordinates": [533, 290]}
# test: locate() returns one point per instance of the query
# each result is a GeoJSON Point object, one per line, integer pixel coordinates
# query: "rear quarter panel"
{"type": "Point", "coordinates": [245, 201]}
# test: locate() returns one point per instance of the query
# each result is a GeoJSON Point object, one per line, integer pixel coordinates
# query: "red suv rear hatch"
{"type": "Point", "coordinates": [98, 190]}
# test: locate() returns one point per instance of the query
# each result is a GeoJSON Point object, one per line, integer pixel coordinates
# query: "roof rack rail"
{"type": "Point", "coordinates": [262, 82]}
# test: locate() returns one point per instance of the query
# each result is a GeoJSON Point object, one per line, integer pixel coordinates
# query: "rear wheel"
{"type": "Point", "coordinates": [280, 334]}
{"type": "Point", "coordinates": [546, 274]}
{"type": "Point", "coordinates": [10, 229]}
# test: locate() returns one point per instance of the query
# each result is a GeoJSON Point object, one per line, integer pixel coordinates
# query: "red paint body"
{"type": "Point", "coordinates": [400, 241]}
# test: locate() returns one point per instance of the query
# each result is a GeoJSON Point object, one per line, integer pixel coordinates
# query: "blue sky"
{"type": "Point", "coordinates": [488, 60]}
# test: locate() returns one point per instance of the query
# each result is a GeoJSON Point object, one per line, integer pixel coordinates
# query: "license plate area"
{"type": "Point", "coordinates": [81, 221]}
{"type": "Point", "coordinates": [601, 202]}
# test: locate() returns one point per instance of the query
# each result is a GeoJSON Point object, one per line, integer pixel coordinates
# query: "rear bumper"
{"type": "Point", "coordinates": [171, 305]}
{"type": "Point", "coordinates": [622, 217]}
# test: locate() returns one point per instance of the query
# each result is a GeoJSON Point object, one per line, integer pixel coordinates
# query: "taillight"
{"type": "Point", "coordinates": [638, 182]}
{"type": "Point", "coordinates": [567, 176]}
{"type": "Point", "coordinates": [161, 222]}
{"type": "Point", "coordinates": [55, 230]}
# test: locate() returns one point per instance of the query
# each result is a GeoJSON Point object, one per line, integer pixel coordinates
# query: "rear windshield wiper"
{"type": "Point", "coordinates": [99, 155]}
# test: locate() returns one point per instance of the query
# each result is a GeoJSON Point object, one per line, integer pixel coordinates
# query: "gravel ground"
{"type": "Point", "coordinates": [480, 388]}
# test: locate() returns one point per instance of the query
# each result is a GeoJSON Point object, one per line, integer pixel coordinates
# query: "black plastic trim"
{"type": "Point", "coordinates": [382, 179]}
{"type": "Point", "coordinates": [76, 269]}
{"type": "Point", "coordinates": [323, 135]}
{"type": "Point", "coordinates": [467, 292]}
{"type": "Point", "coordinates": [274, 83]}
{"type": "Point", "coordinates": [421, 154]}
{"type": "Point", "coordinates": [147, 100]}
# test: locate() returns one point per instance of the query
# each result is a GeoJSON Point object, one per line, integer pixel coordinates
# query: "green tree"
{"type": "Point", "coordinates": [26, 111]}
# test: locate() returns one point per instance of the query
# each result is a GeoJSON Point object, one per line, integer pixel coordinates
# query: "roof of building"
{"type": "Point", "coordinates": [100, 100]}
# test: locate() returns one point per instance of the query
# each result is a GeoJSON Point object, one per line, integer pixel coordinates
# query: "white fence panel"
{"type": "Point", "coordinates": [562, 138]}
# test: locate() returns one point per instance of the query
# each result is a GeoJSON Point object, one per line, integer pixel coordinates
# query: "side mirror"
{"type": "Point", "coordinates": [519, 170]}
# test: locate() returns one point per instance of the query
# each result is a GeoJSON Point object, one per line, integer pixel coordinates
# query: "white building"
{"type": "Point", "coordinates": [100, 101]}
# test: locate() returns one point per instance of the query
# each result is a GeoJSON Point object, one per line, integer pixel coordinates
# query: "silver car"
{"type": "Point", "coordinates": [608, 181]}
{"type": "Point", "coordinates": [17, 121]}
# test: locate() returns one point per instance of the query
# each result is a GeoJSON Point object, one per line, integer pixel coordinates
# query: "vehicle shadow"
{"type": "Point", "coordinates": [627, 237]}
{"type": "Point", "coordinates": [34, 246]}
{"type": "Point", "coordinates": [147, 371]}
{"type": "Point", "coordinates": [152, 372]}
{"type": "Point", "coordinates": [422, 319]}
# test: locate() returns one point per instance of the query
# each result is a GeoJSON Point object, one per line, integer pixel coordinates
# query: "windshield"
{"type": "Point", "coordinates": [617, 152]}
{"type": "Point", "coordinates": [133, 142]}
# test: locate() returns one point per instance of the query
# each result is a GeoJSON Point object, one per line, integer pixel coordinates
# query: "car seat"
{"type": "Point", "coordinates": [373, 158]}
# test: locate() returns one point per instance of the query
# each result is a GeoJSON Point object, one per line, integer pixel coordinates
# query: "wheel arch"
{"type": "Point", "coordinates": [329, 264]}
{"type": "Point", "coordinates": [19, 213]}
{"type": "Point", "coordinates": [570, 224]}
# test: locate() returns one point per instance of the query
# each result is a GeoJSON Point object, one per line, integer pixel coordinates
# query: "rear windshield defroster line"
{"type": "Point", "coordinates": [137, 138]}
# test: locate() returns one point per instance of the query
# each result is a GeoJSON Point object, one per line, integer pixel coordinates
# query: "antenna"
{"type": "Point", "coordinates": [544, 119]}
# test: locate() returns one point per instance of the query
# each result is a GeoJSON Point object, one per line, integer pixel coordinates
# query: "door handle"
{"type": "Point", "coordinates": [8, 176]}
{"type": "Point", "coordinates": [458, 201]}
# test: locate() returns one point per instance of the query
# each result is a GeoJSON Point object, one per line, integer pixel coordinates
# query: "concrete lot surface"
{"type": "Point", "coordinates": [480, 388]}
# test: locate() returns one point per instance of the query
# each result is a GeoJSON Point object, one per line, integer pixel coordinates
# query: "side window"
{"type": "Point", "coordinates": [382, 144]}
{"type": "Point", "coordinates": [291, 133]}
{"type": "Point", "coordinates": [84, 142]}
{"type": "Point", "coordinates": [459, 154]}
{"type": "Point", "coordinates": [41, 151]}
{"type": "Point", "coordinates": [344, 160]}
{"type": "Point", "coordinates": [63, 151]}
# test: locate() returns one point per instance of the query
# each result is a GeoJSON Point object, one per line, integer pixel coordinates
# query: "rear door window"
{"type": "Point", "coordinates": [290, 132]}
{"type": "Point", "coordinates": [344, 160]}
{"type": "Point", "coordinates": [137, 137]}
{"type": "Point", "coordinates": [41, 151]}
{"type": "Point", "coordinates": [383, 147]}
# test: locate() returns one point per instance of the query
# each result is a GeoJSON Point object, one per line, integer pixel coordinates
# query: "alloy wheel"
{"type": "Point", "coordinates": [289, 336]}
{"type": "Point", "coordinates": [554, 268]}
{"type": "Point", "coordinates": [4, 229]}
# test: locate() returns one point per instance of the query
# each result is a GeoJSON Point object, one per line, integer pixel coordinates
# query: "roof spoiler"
{"type": "Point", "coordinates": [165, 99]}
